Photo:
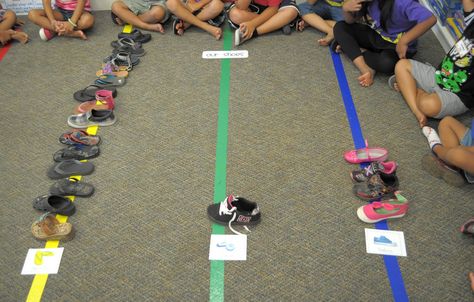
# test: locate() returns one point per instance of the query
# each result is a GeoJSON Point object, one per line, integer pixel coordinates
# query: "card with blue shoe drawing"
{"type": "Point", "coordinates": [385, 242]}
{"type": "Point", "coordinates": [228, 247]}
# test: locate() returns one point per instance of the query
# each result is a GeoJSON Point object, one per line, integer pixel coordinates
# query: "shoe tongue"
{"type": "Point", "coordinates": [230, 199]}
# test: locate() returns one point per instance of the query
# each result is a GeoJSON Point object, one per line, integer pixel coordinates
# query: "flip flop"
{"type": "Point", "coordinates": [177, 22]}
{"type": "Point", "coordinates": [103, 104]}
{"type": "Point", "coordinates": [392, 81]}
{"type": "Point", "coordinates": [54, 204]}
{"type": "Point", "coordinates": [79, 152]}
{"type": "Point", "coordinates": [79, 137]}
{"type": "Point", "coordinates": [47, 227]}
{"type": "Point", "coordinates": [125, 41]}
{"type": "Point", "coordinates": [122, 58]}
{"type": "Point", "coordinates": [136, 36]}
{"type": "Point", "coordinates": [109, 81]}
{"type": "Point", "coordinates": [71, 187]}
{"type": "Point", "coordinates": [92, 118]}
{"type": "Point", "coordinates": [70, 167]}
{"type": "Point", "coordinates": [90, 92]}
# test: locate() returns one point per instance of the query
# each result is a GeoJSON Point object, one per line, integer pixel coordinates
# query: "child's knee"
{"type": "Point", "coordinates": [235, 15]}
{"type": "Point", "coordinates": [216, 6]}
{"type": "Point", "coordinates": [429, 104]}
{"type": "Point", "coordinates": [87, 21]}
{"type": "Point", "coordinates": [118, 5]}
{"type": "Point", "coordinates": [402, 65]}
{"type": "Point", "coordinates": [446, 122]}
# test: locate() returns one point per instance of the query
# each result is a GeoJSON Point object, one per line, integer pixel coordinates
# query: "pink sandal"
{"type": "Point", "coordinates": [104, 101]}
{"type": "Point", "coordinates": [366, 154]}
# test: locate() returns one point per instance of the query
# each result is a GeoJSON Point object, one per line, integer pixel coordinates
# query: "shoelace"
{"type": "Point", "coordinates": [224, 210]}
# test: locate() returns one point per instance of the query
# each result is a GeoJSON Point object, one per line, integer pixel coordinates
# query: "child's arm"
{"type": "Point", "coordinates": [248, 27]}
{"type": "Point", "coordinates": [350, 9]}
{"type": "Point", "coordinates": [77, 13]}
{"type": "Point", "coordinates": [467, 4]}
{"type": "Point", "coordinates": [413, 34]}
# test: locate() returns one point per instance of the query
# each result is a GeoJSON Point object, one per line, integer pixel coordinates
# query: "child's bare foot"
{"type": "Point", "coordinates": [178, 27]}
{"type": "Point", "coordinates": [326, 40]}
{"type": "Point", "coordinates": [157, 27]}
{"type": "Point", "coordinates": [367, 78]}
{"type": "Point", "coordinates": [300, 25]}
{"type": "Point", "coordinates": [20, 37]}
{"type": "Point", "coordinates": [216, 32]}
{"type": "Point", "coordinates": [76, 34]}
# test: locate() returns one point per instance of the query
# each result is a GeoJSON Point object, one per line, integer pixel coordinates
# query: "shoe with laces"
{"type": "Point", "coordinates": [236, 210]}
{"type": "Point", "coordinates": [377, 186]}
{"type": "Point", "coordinates": [362, 175]}
{"type": "Point", "coordinates": [385, 209]}
{"type": "Point", "coordinates": [45, 34]}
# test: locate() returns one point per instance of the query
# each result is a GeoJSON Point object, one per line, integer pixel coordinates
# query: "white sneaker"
{"type": "Point", "coordinates": [237, 37]}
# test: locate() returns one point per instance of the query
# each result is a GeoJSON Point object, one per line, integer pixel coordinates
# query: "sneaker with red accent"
{"type": "Point", "coordinates": [45, 34]}
{"type": "Point", "coordinates": [236, 210]}
{"type": "Point", "coordinates": [385, 209]}
{"type": "Point", "coordinates": [362, 175]}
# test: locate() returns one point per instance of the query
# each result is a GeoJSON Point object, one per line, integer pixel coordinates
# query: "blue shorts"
{"type": "Point", "coordinates": [467, 141]}
{"type": "Point", "coordinates": [67, 14]}
{"type": "Point", "coordinates": [322, 9]}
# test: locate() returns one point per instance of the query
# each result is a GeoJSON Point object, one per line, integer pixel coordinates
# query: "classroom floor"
{"type": "Point", "coordinates": [144, 234]}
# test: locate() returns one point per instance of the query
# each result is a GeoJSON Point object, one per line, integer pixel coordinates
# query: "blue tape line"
{"type": "Point", "coordinates": [394, 274]}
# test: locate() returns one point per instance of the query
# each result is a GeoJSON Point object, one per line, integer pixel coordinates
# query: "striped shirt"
{"type": "Point", "coordinates": [71, 4]}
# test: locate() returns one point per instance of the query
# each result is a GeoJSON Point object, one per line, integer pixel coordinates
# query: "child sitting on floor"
{"type": "Point", "coordinates": [447, 90]}
{"type": "Point", "coordinates": [7, 22]}
{"type": "Point", "coordinates": [70, 18]}
{"type": "Point", "coordinates": [322, 15]}
{"type": "Point", "coordinates": [452, 150]}
{"type": "Point", "coordinates": [252, 18]}
{"type": "Point", "coordinates": [144, 14]}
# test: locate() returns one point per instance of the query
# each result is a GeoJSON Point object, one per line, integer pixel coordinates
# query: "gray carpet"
{"type": "Point", "coordinates": [144, 234]}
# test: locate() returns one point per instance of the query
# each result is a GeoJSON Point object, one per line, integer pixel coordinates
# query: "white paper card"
{"type": "Point", "coordinates": [42, 261]}
{"type": "Point", "coordinates": [385, 242]}
{"type": "Point", "coordinates": [225, 54]}
{"type": "Point", "coordinates": [228, 247]}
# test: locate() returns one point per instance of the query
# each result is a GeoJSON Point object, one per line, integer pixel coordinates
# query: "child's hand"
{"type": "Point", "coordinates": [401, 49]}
{"type": "Point", "coordinates": [352, 6]}
{"type": "Point", "coordinates": [247, 28]}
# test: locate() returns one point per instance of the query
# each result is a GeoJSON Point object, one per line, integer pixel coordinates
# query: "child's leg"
{"type": "Point", "coordinates": [238, 16]}
{"type": "Point", "coordinates": [180, 11]}
{"type": "Point", "coordinates": [408, 88]}
{"type": "Point", "coordinates": [86, 21]}
{"type": "Point", "coordinates": [208, 12]}
{"type": "Point", "coordinates": [283, 17]}
{"type": "Point", "coordinates": [38, 16]}
{"type": "Point", "coordinates": [148, 20]}
{"type": "Point", "coordinates": [322, 25]}
{"type": "Point", "coordinates": [9, 19]}
{"type": "Point", "coordinates": [451, 151]}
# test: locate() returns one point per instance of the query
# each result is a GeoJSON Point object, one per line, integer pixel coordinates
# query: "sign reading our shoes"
{"type": "Point", "coordinates": [225, 54]}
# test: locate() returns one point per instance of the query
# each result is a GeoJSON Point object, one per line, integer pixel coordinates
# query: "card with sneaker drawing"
{"type": "Point", "coordinates": [385, 242]}
{"type": "Point", "coordinates": [228, 247]}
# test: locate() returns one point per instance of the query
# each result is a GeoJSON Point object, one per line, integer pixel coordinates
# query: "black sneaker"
{"type": "Point", "coordinates": [236, 210]}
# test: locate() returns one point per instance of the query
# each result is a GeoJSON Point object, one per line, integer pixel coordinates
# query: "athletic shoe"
{"type": "Point", "coordinates": [234, 209]}
{"type": "Point", "coordinates": [92, 118]}
{"type": "Point", "coordinates": [45, 34]}
{"type": "Point", "coordinates": [382, 240]}
{"type": "Point", "coordinates": [385, 209]}
{"type": "Point", "coordinates": [377, 186]}
{"type": "Point", "coordinates": [362, 175]}
{"type": "Point", "coordinates": [439, 169]}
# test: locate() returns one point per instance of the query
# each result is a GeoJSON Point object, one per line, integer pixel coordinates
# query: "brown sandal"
{"type": "Point", "coordinates": [47, 227]}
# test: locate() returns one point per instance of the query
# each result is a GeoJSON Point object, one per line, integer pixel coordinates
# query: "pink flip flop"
{"type": "Point", "coordinates": [366, 154]}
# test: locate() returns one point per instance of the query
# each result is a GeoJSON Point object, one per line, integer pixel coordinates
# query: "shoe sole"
{"type": "Point", "coordinates": [233, 222]}
{"type": "Point", "coordinates": [364, 218]}
{"type": "Point", "coordinates": [431, 165]}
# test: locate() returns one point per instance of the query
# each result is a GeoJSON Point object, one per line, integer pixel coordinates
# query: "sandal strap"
{"type": "Point", "coordinates": [47, 222]}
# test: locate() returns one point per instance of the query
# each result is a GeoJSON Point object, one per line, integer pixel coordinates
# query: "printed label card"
{"type": "Point", "coordinates": [225, 54]}
{"type": "Point", "coordinates": [42, 261]}
{"type": "Point", "coordinates": [385, 242]}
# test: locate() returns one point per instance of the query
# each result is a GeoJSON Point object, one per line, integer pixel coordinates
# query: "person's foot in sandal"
{"type": "Point", "coordinates": [178, 27]}
{"type": "Point", "coordinates": [300, 25]}
{"type": "Point", "coordinates": [47, 227]}
{"type": "Point", "coordinates": [392, 83]}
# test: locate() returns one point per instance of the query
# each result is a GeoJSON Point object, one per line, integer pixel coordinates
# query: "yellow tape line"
{"type": "Point", "coordinates": [39, 281]}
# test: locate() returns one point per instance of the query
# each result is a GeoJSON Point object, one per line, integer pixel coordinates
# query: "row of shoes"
{"type": "Point", "coordinates": [377, 181]}
{"type": "Point", "coordinates": [96, 109]}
